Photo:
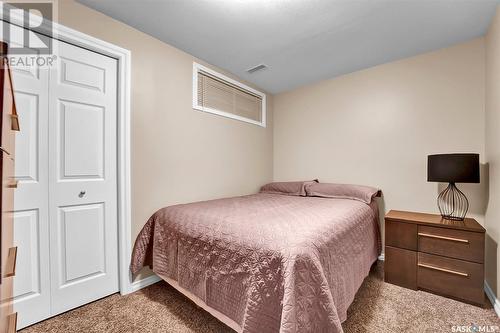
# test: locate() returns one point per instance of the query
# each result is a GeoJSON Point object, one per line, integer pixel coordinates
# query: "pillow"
{"type": "Point", "coordinates": [287, 188]}
{"type": "Point", "coordinates": [343, 191]}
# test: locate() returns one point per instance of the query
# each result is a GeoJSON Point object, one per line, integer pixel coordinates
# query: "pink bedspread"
{"type": "Point", "coordinates": [270, 262]}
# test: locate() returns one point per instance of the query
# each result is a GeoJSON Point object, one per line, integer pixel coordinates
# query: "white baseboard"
{"type": "Point", "coordinates": [143, 283]}
{"type": "Point", "coordinates": [491, 296]}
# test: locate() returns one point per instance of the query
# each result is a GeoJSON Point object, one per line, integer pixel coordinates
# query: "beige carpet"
{"type": "Point", "coordinates": [378, 307]}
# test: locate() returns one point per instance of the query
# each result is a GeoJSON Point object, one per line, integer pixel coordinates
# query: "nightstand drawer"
{"type": "Point", "coordinates": [401, 267]}
{"type": "Point", "coordinates": [402, 235]}
{"type": "Point", "coordinates": [451, 277]}
{"type": "Point", "coordinates": [452, 243]}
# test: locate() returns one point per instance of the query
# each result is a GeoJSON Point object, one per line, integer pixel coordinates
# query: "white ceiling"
{"type": "Point", "coordinates": [302, 41]}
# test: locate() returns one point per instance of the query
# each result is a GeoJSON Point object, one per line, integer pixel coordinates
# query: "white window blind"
{"type": "Point", "coordinates": [218, 94]}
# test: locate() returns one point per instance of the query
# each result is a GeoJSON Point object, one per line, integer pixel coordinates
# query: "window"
{"type": "Point", "coordinates": [218, 94]}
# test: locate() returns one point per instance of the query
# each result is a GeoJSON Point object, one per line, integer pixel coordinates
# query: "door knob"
{"type": "Point", "coordinates": [82, 194]}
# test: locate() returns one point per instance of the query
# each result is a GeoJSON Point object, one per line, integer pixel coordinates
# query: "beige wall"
{"type": "Point", "coordinates": [377, 126]}
{"type": "Point", "coordinates": [178, 154]}
{"type": "Point", "coordinates": [493, 152]}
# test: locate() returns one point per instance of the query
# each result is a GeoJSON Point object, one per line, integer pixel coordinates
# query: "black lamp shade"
{"type": "Point", "coordinates": [453, 168]}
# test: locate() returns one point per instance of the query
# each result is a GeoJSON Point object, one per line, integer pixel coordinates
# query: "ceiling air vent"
{"type": "Point", "coordinates": [256, 68]}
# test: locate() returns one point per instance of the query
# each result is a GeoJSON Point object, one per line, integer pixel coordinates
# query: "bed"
{"type": "Point", "coordinates": [267, 262]}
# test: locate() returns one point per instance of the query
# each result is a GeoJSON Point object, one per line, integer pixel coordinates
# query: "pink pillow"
{"type": "Point", "coordinates": [343, 191]}
{"type": "Point", "coordinates": [287, 188]}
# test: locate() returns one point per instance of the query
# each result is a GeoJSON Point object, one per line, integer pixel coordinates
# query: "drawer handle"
{"type": "Point", "coordinates": [444, 237]}
{"type": "Point", "coordinates": [443, 270]}
{"type": "Point", "coordinates": [10, 265]}
{"type": "Point", "coordinates": [15, 122]}
{"type": "Point", "coordinates": [13, 184]}
{"type": "Point", "coordinates": [14, 117]}
{"type": "Point", "coordinates": [12, 323]}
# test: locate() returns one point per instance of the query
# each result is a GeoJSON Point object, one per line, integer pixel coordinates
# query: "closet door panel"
{"type": "Point", "coordinates": [65, 211]}
{"type": "Point", "coordinates": [82, 151]}
{"type": "Point", "coordinates": [82, 172]}
{"type": "Point", "coordinates": [79, 226]}
{"type": "Point", "coordinates": [31, 227]}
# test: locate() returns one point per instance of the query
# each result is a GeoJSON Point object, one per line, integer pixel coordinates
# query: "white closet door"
{"type": "Point", "coordinates": [31, 226]}
{"type": "Point", "coordinates": [82, 177]}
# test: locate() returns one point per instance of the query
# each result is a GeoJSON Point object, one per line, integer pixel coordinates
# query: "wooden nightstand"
{"type": "Point", "coordinates": [424, 251]}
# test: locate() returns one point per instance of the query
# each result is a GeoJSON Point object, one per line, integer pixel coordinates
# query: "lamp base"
{"type": "Point", "coordinates": [452, 203]}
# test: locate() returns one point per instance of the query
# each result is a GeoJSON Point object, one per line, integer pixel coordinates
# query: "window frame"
{"type": "Point", "coordinates": [200, 68]}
